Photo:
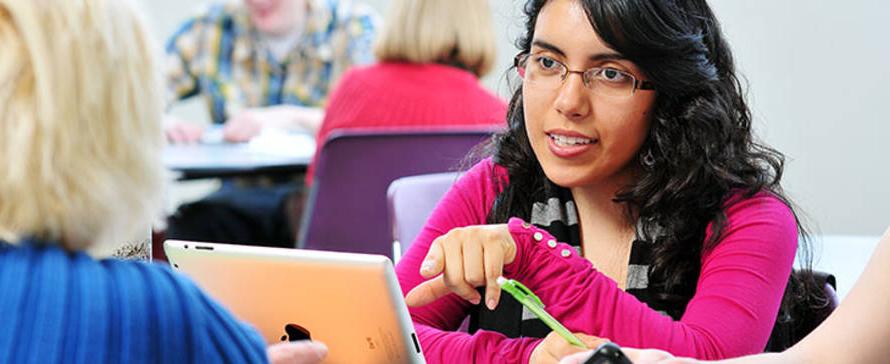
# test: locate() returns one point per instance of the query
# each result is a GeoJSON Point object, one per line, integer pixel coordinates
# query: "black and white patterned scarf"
{"type": "Point", "coordinates": [557, 214]}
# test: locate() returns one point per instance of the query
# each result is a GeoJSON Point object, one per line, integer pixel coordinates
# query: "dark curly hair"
{"type": "Point", "coordinates": [700, 148]}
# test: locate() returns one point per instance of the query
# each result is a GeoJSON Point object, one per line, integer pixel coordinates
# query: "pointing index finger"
{"type": "Point", "coordinates": [427, 292]}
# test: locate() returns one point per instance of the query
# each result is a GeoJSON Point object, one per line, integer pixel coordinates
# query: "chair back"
{"type": "Point", "coordinates": [845, 256]}
{"type": "Point", "coordinates": [802, 311]}
{"type": "Point", "coordinates": [410, 201]}
{"type": "Point", "coordinates": [346, 207]}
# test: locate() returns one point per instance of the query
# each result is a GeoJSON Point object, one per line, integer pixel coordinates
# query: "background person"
{"type": "Point", "coordinates": [431, 55]}
{"type": "Point", "coordinates": [259, 64]}
{"type": "Point", "coordinates": [265, 62]}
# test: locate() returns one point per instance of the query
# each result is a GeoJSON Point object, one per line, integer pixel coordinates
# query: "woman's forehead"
{"type": "Point", "coordinates": [563, 26]}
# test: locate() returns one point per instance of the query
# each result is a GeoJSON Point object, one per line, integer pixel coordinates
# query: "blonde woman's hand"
{"type": "Point", "coordinates": [554, 347]}
{"type": "Point", "coordinates": [463, 259]}
{"type": "Point", "coordinates": [297, 352]}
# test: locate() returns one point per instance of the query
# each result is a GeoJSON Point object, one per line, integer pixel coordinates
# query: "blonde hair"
{"type": "Point", "coordinates": [80, 113]}
{"type": "Point", "coordinates": [456, 32]}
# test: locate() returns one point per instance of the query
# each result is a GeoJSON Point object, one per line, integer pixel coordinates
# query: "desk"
{"type": "Point", "coordinates": [228, 160]}
{"type": "Point", "coordinates": [273, 155]}
{"type": "Point", "coordinates": [267, 154]}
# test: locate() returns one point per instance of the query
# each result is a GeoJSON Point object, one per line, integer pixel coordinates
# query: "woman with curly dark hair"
{"type": "Point", "coordinates": [629, 193]}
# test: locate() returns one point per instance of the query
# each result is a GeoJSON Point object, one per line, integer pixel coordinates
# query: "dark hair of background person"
{"type": "Point", "coordinates": [700, 140]}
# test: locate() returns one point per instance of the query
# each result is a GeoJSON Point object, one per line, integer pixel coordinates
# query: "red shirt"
{"type": "Point", "coordinates": [388, 95]}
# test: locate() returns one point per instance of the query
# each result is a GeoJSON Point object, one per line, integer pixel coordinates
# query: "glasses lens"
{"type": "Point", "coordinates": [610, 82]}
{"type": "Point", "coordinates": [544, 72]}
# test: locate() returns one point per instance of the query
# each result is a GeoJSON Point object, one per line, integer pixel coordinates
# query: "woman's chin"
{"type": "Point", "coordinates": [566, 179]}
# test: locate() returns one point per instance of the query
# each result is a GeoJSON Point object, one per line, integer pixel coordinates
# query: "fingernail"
{"type": "Point", "coordinates": [491, 304]}
{"type": "Point", "coordinates": [426, 266]}
{"type": "Point", "coordinates": [475, 300]}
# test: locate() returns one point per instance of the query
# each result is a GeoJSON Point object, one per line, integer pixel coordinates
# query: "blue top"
{"type": "Point", "coordinates": [57, 306]}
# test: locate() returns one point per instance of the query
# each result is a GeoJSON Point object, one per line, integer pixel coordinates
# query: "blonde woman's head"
{"type": "Point", "coordinates": [454, 32]}
{"type": "Point", "coordinates": [80, 112]}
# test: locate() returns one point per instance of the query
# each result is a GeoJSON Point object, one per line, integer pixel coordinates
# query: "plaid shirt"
{"type": "Point", "coordinates": [219, 54]}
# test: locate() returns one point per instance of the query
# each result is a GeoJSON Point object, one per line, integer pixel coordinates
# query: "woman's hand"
{"type": "Point", "coordinates": [466, 258]}
{"type": "Point", "coordinates": [245, 125]}
{"type": "Point", "coordinates": [554, 347]}
{"type": "Point", "coordinates": [297, 352]}
{"type": "Point", "coordinates": [249, 123]}
{"type": "Point", "coordinates": [179, 131]}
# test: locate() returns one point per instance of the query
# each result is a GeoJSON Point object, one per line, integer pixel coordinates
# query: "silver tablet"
{"type": "Point", "coordinates": [350, 302]}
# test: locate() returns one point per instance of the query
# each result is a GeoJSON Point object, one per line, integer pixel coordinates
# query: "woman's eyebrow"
{"type": "Point", "coordinates": [548, 46]}
{"type": "Point", "coordinates": [599, 57]}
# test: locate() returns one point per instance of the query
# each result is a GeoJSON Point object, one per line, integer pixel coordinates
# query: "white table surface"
{"type": "Point", "coordinates": [263, 152]}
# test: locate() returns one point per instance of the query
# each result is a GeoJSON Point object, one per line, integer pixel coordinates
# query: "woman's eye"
{"type": "Point", "coordinates": [547, 63]}
{"type": "Point", "coordinates": [613, 75]}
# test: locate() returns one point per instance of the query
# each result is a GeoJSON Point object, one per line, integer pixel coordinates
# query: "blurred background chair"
{"type": "Point", "coordinates": [410, 201]}
{"type": "Point", "coordinates": [346, 206]}
{"type": "Point", "coordinates": [802, 311]}
{"type": "Point", "coordinates": [844, 256]}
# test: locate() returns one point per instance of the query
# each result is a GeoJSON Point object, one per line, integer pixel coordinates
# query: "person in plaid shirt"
{"type": "Point", "coordinates": [259, 64]}
{"type": "Point", "coordinates": [265, 62]}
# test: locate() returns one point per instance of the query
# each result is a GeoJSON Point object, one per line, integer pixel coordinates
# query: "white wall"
{"type": "Point", "coordinates": [818, 73]}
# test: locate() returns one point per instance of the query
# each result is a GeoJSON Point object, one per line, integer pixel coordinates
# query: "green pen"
{"type": "Point", "coordinates": [534, 304]}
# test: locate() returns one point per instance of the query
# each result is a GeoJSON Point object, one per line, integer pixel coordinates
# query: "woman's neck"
{"type": "Point", "coordinates": [598, 207]}
{"type": "Point", "coordinates": [598, 213]}
{"type": "Point", "coordinates": [607, 231]}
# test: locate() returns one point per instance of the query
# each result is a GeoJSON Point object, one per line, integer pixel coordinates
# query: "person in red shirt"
{"type": "Point", "coordinates": [431, 55]}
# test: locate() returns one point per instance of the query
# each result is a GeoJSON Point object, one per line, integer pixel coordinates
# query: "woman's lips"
{"type": "Point", "coordinates": [568, 144]}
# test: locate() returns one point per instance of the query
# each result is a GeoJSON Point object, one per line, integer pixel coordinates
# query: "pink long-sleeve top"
{"type": "Point", "coordinates": [737, 298]}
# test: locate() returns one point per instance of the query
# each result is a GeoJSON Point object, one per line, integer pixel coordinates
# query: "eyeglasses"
{"type": "Point", "coordinates": [548, 73]}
